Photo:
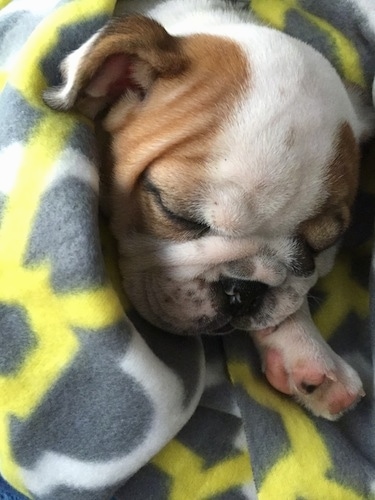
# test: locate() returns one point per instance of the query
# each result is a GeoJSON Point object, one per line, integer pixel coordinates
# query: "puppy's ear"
{"type": "Point", "coordinates": [326, 227]}
{"type": "Point", "coordinates": [128, 53]}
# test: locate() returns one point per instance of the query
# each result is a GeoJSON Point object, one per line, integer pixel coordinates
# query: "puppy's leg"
{"type": "Point", "coordinates": [297, 361]}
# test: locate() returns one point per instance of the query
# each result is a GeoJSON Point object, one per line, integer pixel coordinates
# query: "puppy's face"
{"type": "Point", "coordinates": [235, 164]}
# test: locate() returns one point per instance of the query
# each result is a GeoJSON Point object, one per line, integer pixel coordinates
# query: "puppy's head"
{"type": "Point", "coordinates": [235, 164]}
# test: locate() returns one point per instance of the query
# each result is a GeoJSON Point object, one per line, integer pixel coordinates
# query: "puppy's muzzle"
{"type": "Point", "coordinates": [244, 297]}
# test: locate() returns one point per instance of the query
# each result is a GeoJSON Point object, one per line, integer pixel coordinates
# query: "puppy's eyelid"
{"type": "Point", "coordinates": [188, 224]}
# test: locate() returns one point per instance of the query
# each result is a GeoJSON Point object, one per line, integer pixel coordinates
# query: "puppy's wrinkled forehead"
{"type": "Point", "coordinates": [236, 131]}
{"type": "Point", "coordinates": [181, 115]}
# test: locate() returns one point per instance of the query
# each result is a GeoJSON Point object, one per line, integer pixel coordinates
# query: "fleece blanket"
{"type": "Point", "coordinates": [94, 402]}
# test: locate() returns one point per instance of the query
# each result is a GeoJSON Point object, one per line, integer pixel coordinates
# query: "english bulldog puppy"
{"type": "Point", "coordinates": [234, 166]}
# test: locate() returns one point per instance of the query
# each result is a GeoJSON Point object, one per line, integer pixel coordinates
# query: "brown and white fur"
{"type": "Point", "coordinates": [235, 158]}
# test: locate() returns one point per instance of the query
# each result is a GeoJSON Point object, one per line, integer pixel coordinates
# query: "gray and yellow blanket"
{"type": "Point", "coordinates": [94, 402]}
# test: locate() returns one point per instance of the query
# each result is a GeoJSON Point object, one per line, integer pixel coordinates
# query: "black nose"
{"type": "Point", "coordinates": [244, 296]}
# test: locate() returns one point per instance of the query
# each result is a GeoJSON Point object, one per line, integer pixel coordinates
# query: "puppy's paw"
{"type": "Point", "coordinates": [297, 361]}
{"type": "Point", "coordinates": [326, 392]}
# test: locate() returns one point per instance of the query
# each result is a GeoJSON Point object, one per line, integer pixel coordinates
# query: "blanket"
{"type": "Point", "coordinates": [95, 403]}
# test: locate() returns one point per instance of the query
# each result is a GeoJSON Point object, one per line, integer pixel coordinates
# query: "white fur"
{"type": "Point", "coordinates": [287, 180]}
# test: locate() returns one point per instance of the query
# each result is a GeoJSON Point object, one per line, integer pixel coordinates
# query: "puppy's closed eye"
{"type": "Point", "coordinates": [182, 222]}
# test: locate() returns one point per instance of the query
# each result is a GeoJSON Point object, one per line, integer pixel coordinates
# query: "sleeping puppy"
{"type": "Point", "coordinates": [235, 158]}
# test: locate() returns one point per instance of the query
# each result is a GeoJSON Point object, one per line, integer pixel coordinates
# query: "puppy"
{"type": "Point", "coordinates": [235, 159]}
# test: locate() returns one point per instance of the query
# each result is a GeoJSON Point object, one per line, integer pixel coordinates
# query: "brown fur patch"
{"type": "Point", "coordinates": [333, 218]}
{"type": "Point", "coordinates": [170, 134]}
